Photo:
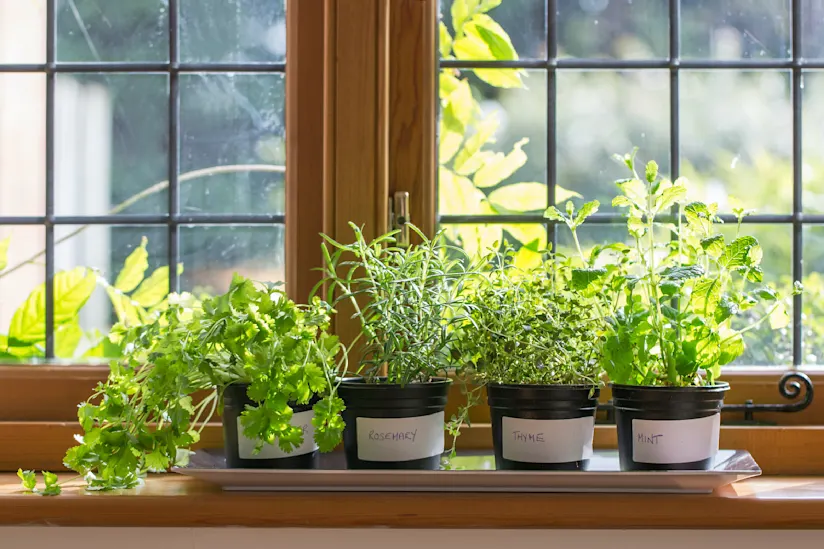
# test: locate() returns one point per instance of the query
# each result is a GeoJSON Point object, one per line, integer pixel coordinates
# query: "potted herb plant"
{"type": "Point", "coordinates": [267, 362]}
{"type": "Point", "coordinates": [680, 298]}
{"type": "Point", "coordinates": [531, 342]}
{"type": "Point", "coordinates": [407, 301]}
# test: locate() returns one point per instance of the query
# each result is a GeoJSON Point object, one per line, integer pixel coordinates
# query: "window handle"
{"type": "Point", "coordinates": [400, 217]}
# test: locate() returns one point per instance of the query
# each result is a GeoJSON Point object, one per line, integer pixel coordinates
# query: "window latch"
{"type": "Point", "coordinates": [399, 217]}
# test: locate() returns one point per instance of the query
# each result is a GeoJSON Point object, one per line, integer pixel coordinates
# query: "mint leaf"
{"type": "Point", "coordinates": [582, 279]}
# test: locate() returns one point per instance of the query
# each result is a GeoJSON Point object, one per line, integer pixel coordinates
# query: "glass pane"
{"type": "Point", "coordinates": [212, 254]}
{"type": "Point", "coordinates": [475, 238]}
{"type": "Point", "coordinates": [736, 138]}
{"type": "Point", "coordinates": [601, 113]}
{"type": "Point", "coordinates": [767, 347]}
{"type": "Point", "coordinates": [103, 30]}
{"type": "Point", "coordinates": [129, 295]}
{"type": "Point", "coordinates": [111, 135]}
{"type": "Point", "coordinates": [626, 29]}
{"type": "Point", "coordinates": [812, 174]}
{"type": "Point", "coordinates": [22, 31]}
{"type": "Point", "coordinates": [812, 19]}
{"type": "Point", "coordinates": [232, 151]}
{"type": "Point", "coordinates": [813, 298]}
{"type": "Point", "coordinates": [22, 274]}
{"type": "Point", "coordinates": [22, 144]}
{"type": "Point", "coordinates": [732, 29]}
{"type": "Point", "coordinates": [524, 21]}
{"type": "Point", "coordinates": [493, 146]}
{"type": "Point", "coordinates": [232, 31]}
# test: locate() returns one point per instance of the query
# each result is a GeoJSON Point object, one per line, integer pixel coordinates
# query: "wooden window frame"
{"type": "Point", "coordinates": [361, 112]}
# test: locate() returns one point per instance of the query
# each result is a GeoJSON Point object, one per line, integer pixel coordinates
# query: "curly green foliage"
{"type": "Point", "coordinates": [144, 418]}
{"type": "Point", "coordinates": [679, 305]}
{"type": "Point", "coordinates": [407, 299]}
{"type": "Point", "coordinates": [530, 327]}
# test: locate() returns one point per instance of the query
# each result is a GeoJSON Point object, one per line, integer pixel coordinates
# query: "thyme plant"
{"type": "Point", "coordinates": [530, 326]}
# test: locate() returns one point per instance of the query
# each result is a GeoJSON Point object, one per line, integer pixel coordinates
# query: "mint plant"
{"type": "Point", "coordinates": [145, 417]}
{"type": "Point", "coordinates": [680, 297]}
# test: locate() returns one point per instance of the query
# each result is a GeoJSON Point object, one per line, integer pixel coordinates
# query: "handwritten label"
{"type": "Point", "coordinates": [547, 440]}
{"type": "Point", "coordinates": [246, 446]}
{"type": "Point", "coordinates": [675, 441]}
{"type": "Point", "coordinates": [401, 438]}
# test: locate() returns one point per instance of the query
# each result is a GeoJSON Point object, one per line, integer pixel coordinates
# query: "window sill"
{"type": "Point", "coordinates": [172, 500]}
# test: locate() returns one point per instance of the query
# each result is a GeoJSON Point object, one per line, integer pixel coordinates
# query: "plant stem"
{"type": "Point", "coordinates": [156, 188]}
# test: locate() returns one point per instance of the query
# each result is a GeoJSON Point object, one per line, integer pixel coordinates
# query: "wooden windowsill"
{"type": "Point", "coordinates": [173, 500]}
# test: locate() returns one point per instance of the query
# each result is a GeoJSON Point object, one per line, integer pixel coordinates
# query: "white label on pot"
{"type": "Point", "coordinates": [675, 441]}
{"type": "Point", "coordinates": [400, 438]}
{"type": "Point", "coordinates": [303, 420]}
{"type": "Point", "coordinates": [547, 440]}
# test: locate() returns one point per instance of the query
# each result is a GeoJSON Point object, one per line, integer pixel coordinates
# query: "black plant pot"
{"type": "Point", "coordinates": [239, 449]}
{"type": "Point", "coordinates": [392, 426]}
{"type": "Point", "coordinates": [542, 427]}
{"type": "Point", "coordinates": [668, 428]}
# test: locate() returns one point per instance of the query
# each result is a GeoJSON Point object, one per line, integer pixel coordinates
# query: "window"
{"type": "Point", "coordinates": [536, 96]}
{"type": "Point", "coordinates": [145, 140]}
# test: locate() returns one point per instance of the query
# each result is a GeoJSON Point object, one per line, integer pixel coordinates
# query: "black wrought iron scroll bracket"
{"type": "Point", "coordinates": [793, 385]}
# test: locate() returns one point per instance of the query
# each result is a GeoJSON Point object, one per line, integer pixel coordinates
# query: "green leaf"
{"type": "Point", "coordinates": [457, 195]}
{"type": "Point", "coordinates": [683, 272]}
{"type": "Point", "coordinates": [755, 274]}
{"type": "Point", "coordinates": [502, 167]}
{"type": "Point", "coordinates": [651, 171]}
{"type": "Point", "coordinates": [699, 218]}
{"type": "Point", "coordinates": [445, 40]}
{"type": "Point", "coordinates": [72, 290]}
{"type": "Point", "coordinates": [755, 255]}
{"type": "Point", "coordinates": [669, 196]}
{"type": "Point", "coordinates": [554, 214]}
{"type": "Point", "coordinates": [484, 133]}
{"type": "Point", "coordinates": [519, 197]}
{"type": "Point", "coordinates": [736, 252]}
{"type": "Point", "coordinates": [157, 462]}
{"type": "Point", "coordinates": [562, 194]}
{"type": "Point", "coordinates": [4, 248]}
{"type": "Point", "coordinates": [487, 5]}
{"type": "Point", "coordinates": [461, 11]}
{"type": "Point", "coordinates": [49, 478]}
{"type": "Point", "coordinates": [586, 210]}
{"type": "Point", "coordinates": [582, 279]}
{"type": "Point", "coordinates": [494, 36]}
{"type": "Point", "coordinates": [126, 311]}
{"type": "Point", "coordinates": [731, 348]}
{"type": "Point", "coordinates": [485, 40]}
{"type": "Point", "coordinates": [635, 191]}
{"type": "Point", "coordinates": [28, 479]}
{"type": "Point", "coordinates": [766, 293]}
{"type": "Point", "coordinates": [779, 317]}
{"type": "Point", "coordinates": [621, 201]}
{"type": "Point", "coordinates": [134, 268]}
{"type": "Point", "coordinates": [155, 288]}
{"type": "Point", "coordinates": [726, 308]}
{"type": "Point", "coordinates": [460, 108]}
{"type": "Point", "coordinates": [713, 245]}
{"type": "Point", "coordinates": [636, 226]}
{"type": "Point", "coordinates": [66, 339]}
{"type": "Point", "coordinates": [705, 295]}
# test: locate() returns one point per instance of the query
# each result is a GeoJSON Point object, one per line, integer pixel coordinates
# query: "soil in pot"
{"type": "Point", "coordinates": [542, 427]}
{"type": "Point", "coordinates": [668, 428]}
{"type": "Point", "coordinates": [240, 450]}
{"type": "Point", "coordinates": [392, 426]}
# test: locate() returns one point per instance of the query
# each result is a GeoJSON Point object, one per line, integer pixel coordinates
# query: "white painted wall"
{"type": "Point", "coordinates": [293, 538]}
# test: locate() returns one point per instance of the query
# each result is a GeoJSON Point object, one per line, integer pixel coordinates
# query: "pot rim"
{"type": "Point", "coordinates": [718, 386]}
{"type": "Point", "coordinates": [548, 387]}
{"type": "Point", "coordinates": [361, 382]}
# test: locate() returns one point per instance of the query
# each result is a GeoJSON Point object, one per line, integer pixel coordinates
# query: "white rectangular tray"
{"type": "Point", "coordinates": [477, 475]}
